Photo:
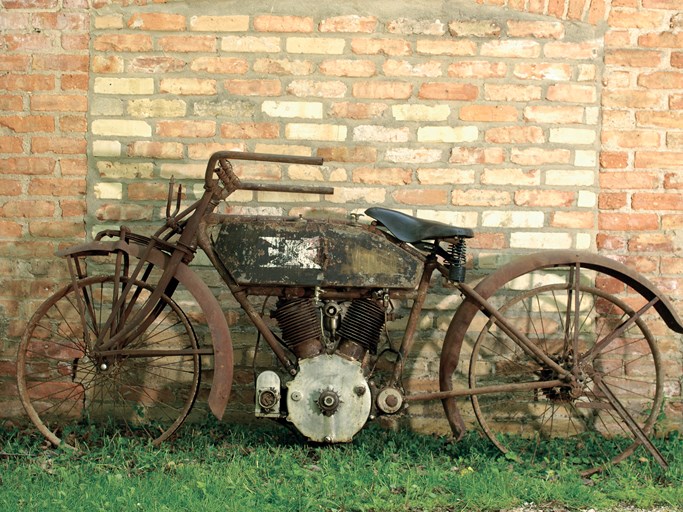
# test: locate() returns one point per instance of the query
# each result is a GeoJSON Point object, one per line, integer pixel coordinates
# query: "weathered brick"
{"type": "Point", "coordinates": [272, 23]}
{"type": "Point", "coordinates": [625, 98]}
{"type": "Point", "coordinates": [480, 197]}
{"type": "Point", "coordinates": [121, 127]}
{"type": "Point", "coordinates": [11, 145]}
{"type": "Point", "coordinates": [187, 43]}
{"type": "Point", "coordinates": [321, 132]}
{"type": "Point", "coordinates": [188, 86]}
{"type": "Point", "coordinates": [635, 19]}
{"type": "Point", "coordinates": [630, 138]}
{"type": "Point", "coordinates": [349, 23]}
{"type": "Point", "coordinates": [512, 92]}
{"type": "Point", "coordinates": [183, 128]}
{"type": "Point", "coordinates": [356, 154]}
{"type": "Point", "coordinates": [445, 176]}
{"type": "Point", "coordinates": [392, 47]}
{"type": "Point", "coordinates": [404, 68]}
{"type": "Point", "coordinates": [511, 48]}
{"type": "Point", "coordinates": [413, 156]}
{"type": "Point", "coordinates": [156, 64]}
{"type": "Point", "coordinates": [56, 187]}
{"type": "Point", "coordinates": [382, 176]}
{"type": "Point", "coordinates": [658, 160]}
{"type": "Point", "coordinates": [447, 134]}
{"type": "Point", "coordinates": [539, 156]}
{"type": "Point", "coordinates": [372, 133]}
{"type": "Point", "coordinates": [656, 242]}
{"type": "Point", "coordinates": [73, 124]}
{"type": "Point", "coordinates": [515, 135]}
{"type": "Point", "coordinates": [554, 115]}
{"type": "Point", "coordinates": [670, 119]}
{"type": "Point", "coordinates": [59, 103]}
{"type": "Point", "coordinates": [518, 177]}
{"type": "Point", "coordinates": [635, 221]}
{"type": "Point", "coordinates": [544, 198]}
{"type": "Point", "coordinates": [29, 208]}
{"type": "Point", "coordinates": [25, 124]}
{"type": "Point", "coordinates": [657, 202]}
{"type": "Point", "coordinates": [536, 29]}
{"type": "Point", "coordinates": [220, 65]}
{"type": "Point", "coordinates": [123, 43]}
{"type": "Point", "coordinates": [417, 112]}
{"type": "Point", "coordinates": [634, 58]}
{"type": "Point", "coordinates": [156, 108]}
{"type": "Point", "coordinates": [239, 44]}
{"type": "Point", "coordinates": [237, 23]}
{"type": "Point", "coordinates": [477, 69]}
{"type": "Point", "coordinates": [488, 113]}
{"type": "Point", "coordinates": [287, 109]}
{"type": "Point", "coordinates": [473, 155]}
{"type": "Point", "coordinates": [34, 82]}
{"type": "Point", "coordinates": [573, 136]}
{"type": "Point", "coordinates": [250, 130]}
{"type": "Point", "coordinates": [420, 196]}
{"type": "Point", "coordinates": [60, 145]}
{"type": "Point", "coordinates": [358, 110]}
{"type": "Point", "coordinates": [110, 85]}
{"type": "Point", "coordinates": [253, 87]}
{"type": "Point", "coordinates": [382, 90]}
{"type": "Point", "coordinates": [448, 91]}
{"type": "Point", "coordinates": [543, 71]}
{"type": "Point", "coordinates": [157, 21]}
{"type": "Point", "coordinates": [572, 93]}
{"type": "Point", "coordinates": [436, 47]}
{"type": "Point", "coordinates": [507, 219]}
{"type": "Point", "coordinates": [407, 26]}
{"type": "Point", "coordinates": [154, 149]}
{"type": "Point", "coordinates": [474, 28]}
{"type": "Point", "coordinates": [348, 67]}
{"type": "Point", "coordinates": [283, 66]}
{"type": "Point", "coordinates": [108, 21]}
{"type": "Point", "coordinates": [661, 40]}
{"type": "Point", "coordinates": [318, 89]}
{"type": "Point", "coordinates": [315, 45]}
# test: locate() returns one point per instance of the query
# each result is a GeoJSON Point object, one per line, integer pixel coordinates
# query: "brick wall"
{"type": "Point", "coordinates": [540, 123]}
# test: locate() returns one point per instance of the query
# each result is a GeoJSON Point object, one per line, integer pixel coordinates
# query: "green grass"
{"type": "Point", "coordinates": [222, 467]}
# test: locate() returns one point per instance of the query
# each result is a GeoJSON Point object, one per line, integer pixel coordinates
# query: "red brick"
{"type": "Point", "coordinates": [613, 160]}
{"type": "Point", "coordinates": [253, 87]}
{"type": "Point", "coordinates": [480, 197]}
{"type": "Point", "coordinates": [359, 154]}
{"type": "Point", "coordinates": [148, 191]}
{"type": "Point", "coordinates": [625, 98]}
{"type": "Point", "coordinates": [11, 102]}
{"type": "Point", "coordinates": [11, 145]}
{"type": "Point", "coordinates": [573, 220]}
{"type": "Point", "coordinates": [661, 80]}
{"type": "Point", "coordinates": [29, 165]}
{"type": "Point", "coordinates": [543, 71]}
{"type": "Point", "coordinates": [33, 82]}
{"type": "Point", "coordinates": [107, 64]}
{"type": "Point", "coordinates": [72, 208]}
{"type": "Point", "coordinates": [472, 156]}
{"type": "Point", "coordinates": [448, 91]}
{"type": "Point", "coordinates": [631, 138]}
{"type": "Point", "coordinates": [77, 166]}
{"type": "Point", "coordinates": [677, 59]}
{"type": "Point", "coordinates": [57, 229]}
{"type": "Point", "coordinates": [73, 124]}
{"type": "Point", "coordinates": [123, 212]}
{"type": "Point", "coordinates": [670, 119]}
{"type": "Point", "coordinates": [610, 242]}
{"type": "Point", "coordinates": [515, 135]}
{"type": "Point", "coordinates": [382, 90]}
{"type": "Point", "coordinates": [488, 113]}
{"type": "Point", "coordinates": [351, 23]}
{"type": "Point", "coordinates": [650, 243]}
{"type": "Point", "coordinates": [60, 145]}
{"type": "Point", "coordinates": [381, 46]}
{"type": "Point", "coordinates": [575, 9]}
{"type": "Point", "coordinates": [597, 11]}
{"type": "Point", "coordinates": [68, 21]}
{"type": "Point", "coordinates": [25, 43]}
{"type": "Point", "coordinates": [421, 196]}
{"type": "Point", "coordinates": [554, 115]}
{"type": "Point", "coordinates": [477, 69]}
{"type": "Point", "coordinates": [9, 229]}
{"type": "Point", "coordinates": [348, 67]}
{"type": "Point", "coordinates": [10, 187]}
{"type": "Point", "coordinates": [572, 93]}
{"type": "Point", "coordinates": [536, 29]}
{"type": "Point", "coordinates": [546, 198]}
{"type": "Point", "coordinates": [29, 208]}
{"type": "Point", "coordinates": [612, 200]}
{"type": "Point", "coordinates": [221, 65]}
{"type": "Point", "coordinates": [157, 21]}
{"type": "Point", "coordinates": [635, 19]}
{"type": "Point", "coordinates": [56, 187]}
{"type": "Point", "coordinates": [25, 124]}
{"type": "Point", "coordinates": [662, 40]}
{"type": "Point", "coordinates": [540, 156]}
{"type": "Point", "coordinates": [156, 64]}
{"type": "Point", "coordinates": [634, 58]}
{"type": "Point", "coordinates": [271, 23]}
{"type": "Point", "coordinates": [628, 221]}
{"type": "Point", "coordinates": [59, 103]}
{"type": "Point", "coordinates": [358, 110]}
{"type": "Point", "coordinates": [658, 160]}
{"type": "Point", "coordinates": [382, 176]}
{"type": "Point", "coordinates": [155, 149]}
{"type": "Point", "coordinates": [75, 42]}
{"type": "Point", "coordinates": [187, 44]}
{"type": "Point", "coordinates": [630, 180]}
{"type": "Point", "coordinates": [186, 128]}
{"type": "Point", "coordinates": [123, 43]}
{"type": "Point", "coordinates": [658, 202]}
{"type": "Point", "coordinates": [250, 130]}
{"type": "Point", "coordinates": [31, 4]}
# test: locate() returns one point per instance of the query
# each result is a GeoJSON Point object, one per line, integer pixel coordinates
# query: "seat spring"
{"type": "Point", "coordinates": [457, 259]}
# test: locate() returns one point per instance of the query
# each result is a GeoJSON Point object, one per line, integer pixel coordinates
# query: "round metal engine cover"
{"type": "Point", "coordinates": [329, 399]}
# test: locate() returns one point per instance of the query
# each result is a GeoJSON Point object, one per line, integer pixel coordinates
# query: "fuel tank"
{"type": "Point", "coordinates": [300, 252]}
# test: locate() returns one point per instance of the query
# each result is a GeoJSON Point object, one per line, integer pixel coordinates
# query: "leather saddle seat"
{"type": "Point", "coordinates": [412, 229]}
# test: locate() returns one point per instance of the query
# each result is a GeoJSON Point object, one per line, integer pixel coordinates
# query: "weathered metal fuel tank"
{"type": "Point", "coordinates": [301, 252]}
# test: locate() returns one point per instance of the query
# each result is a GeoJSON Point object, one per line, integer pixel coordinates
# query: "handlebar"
{"type": "Point", "coordinates": [231, 181]}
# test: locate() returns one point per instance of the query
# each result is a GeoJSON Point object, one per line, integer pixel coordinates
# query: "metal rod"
{"type": "Point", "coordinates": [502, 388]}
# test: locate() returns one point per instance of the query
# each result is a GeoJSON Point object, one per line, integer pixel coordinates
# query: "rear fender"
{"type": "Point", "coordinates": [450, 355]}
{"type": "Point", "coordinates": [218, 326]}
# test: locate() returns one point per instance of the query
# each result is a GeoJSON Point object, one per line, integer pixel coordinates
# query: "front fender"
{"type": "Point", "coordinates": [450, 354]}
{"type": "Point", "coordinates": [218, 326]}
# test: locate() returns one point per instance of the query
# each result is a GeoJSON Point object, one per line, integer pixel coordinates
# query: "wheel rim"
{"type": "Point", "coordinates": [578, 412]}
{"type": "Point", "coordinates": [63, 382]}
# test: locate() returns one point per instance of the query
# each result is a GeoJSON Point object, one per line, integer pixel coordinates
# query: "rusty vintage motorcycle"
{"type": "Point", "coordinates": [555, 352]}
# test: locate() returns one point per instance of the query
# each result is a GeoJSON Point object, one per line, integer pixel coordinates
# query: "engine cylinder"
{"type": "Point", "coordinates": [299, 322]}
{"type": "Point", "coordinates": [361, 328]}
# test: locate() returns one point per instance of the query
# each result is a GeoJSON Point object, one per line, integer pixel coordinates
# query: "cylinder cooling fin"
{"type": "Point", "coordinates": [299, 322]}
{"type": "Point", "coordinates": [363, 323]}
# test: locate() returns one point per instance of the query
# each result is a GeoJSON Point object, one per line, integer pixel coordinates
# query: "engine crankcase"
{"type": "Point", "coordinates": [329, 400]}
